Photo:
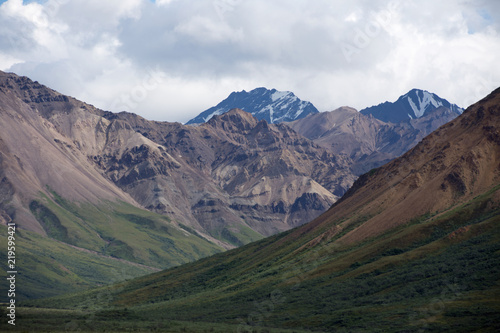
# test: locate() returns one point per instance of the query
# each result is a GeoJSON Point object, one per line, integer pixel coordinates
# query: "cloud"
{"type": "Point", "coordinates": [205, 31]}
{"type": "Point", "coordinates": [332, 53]}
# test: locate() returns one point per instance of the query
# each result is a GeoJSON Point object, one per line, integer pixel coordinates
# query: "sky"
{"type": "Point", "coordinates": [169, 60]}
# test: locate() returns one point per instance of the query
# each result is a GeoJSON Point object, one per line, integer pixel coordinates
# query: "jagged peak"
{"type": "Point", "coordinates": [271, 105]}
{"type": "Point", "coordinates": [416, 103]}
{"type": "Point", "coordinates": [237, 117]}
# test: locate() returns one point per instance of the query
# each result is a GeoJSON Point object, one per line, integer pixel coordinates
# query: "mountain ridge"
{"type": "Point", "coordinates": [264, 104]}
{"type": "Point", "coordinates": [412, 105]}
{"type": "Point", "coordinates": [366, 137]}
{"type": "Point", "coordinates": [195, 175]}
{"type": "Point", "coordinates": [459, 178]}
{"type": "Point", "coordinates": [235, 150]}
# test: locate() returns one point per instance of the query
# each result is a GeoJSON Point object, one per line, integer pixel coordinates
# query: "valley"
{"type": "Point", "coordinates": [412, 245]}
{"type": "Point", "coordinates": [249, 166]}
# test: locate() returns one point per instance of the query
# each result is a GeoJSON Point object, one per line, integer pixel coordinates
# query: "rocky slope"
{"type": "Point", "coordinates": [232, 180]}
{"type": "Point", "coordinates": [230, 176]}
{"type": "Point", "coordinates": [264, 104]}
{"type": "Point", "coordinates": [452, 165]}
{"type": "Point", "coordinates": [75, 227]}
{"type": "Point", "coordinates": [44, 139]}
{"type": "Point", "coordinates": [373, 137]}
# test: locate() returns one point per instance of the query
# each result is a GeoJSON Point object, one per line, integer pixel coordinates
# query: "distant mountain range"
{"type": "Point", "coordinates": [370, 137]}
{"type": "Point", "coordinates": [413, 105]}
{"type": "Point", "coordinates": [270, 105]}
{"type": "Point", "coordinates": [376, 135]}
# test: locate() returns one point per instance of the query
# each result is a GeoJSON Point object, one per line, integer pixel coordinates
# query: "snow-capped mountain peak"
{"type": "Point", "coordinates": [412, 105]}
{"type": "Point", "coordinates": [424, 100]}
{"type": "Point", "coordinates": [279, 95]}
{"type": "Point", "coordinates": [271, 105]}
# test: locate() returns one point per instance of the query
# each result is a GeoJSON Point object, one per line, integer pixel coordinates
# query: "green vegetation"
{"type": "Point", "coordinates": [49, 221]}
{"type": "Point", "coordinates": [440, 272]}
{"type": "Point", "coordinates": [85, 242]}
{"type": "Point", "coordinates": [239, 235]}
{"type": "Point", "coordinates": [118, 320]}
{"type": "Point", "coordinates": [47, 267]}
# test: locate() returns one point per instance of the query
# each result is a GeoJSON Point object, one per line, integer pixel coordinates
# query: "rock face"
{"type": "Point", "coordinates": [270, 105]}
{"type": "Point", "coordinates": [377, 135]}
{"type": "Point", "coordinates": [45, 139]}
{"type": "Point", "coordinates": [233, 180]}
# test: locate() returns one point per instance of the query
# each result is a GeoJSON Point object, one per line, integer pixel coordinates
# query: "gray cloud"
{"type": "Point", "coordinates": [333, 53]}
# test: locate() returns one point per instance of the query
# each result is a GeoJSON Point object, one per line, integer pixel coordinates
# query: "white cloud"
{"type": "Point", "coordinates": [206, 31]}
{"type": "Point", "coordinates": [164, 2]}
{"type": "Point", "coordinates": [332, 53]}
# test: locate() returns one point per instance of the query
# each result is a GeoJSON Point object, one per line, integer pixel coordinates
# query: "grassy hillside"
{"type": "Point", "coordinates": [438, 273]}
{"type": "Point", "coordinates": [121, 230]}
{"type": "Point", "coordinates": [92, 245]}
{"type": "Point", "coordinates": [47, 267]}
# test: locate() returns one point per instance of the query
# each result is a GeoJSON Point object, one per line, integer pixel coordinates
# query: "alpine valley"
{"type": "Point", "coordinates": [252, 221]}
{"type": "Point", "coordinates": [413, 246]}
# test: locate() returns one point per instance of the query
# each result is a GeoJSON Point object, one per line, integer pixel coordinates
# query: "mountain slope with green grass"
{"type": "Point", "coordinates": [438, 272]}
{"type": "Point", "coordinates": [91, 245]}
{"type": "Point", "coordinates": [414, 246]}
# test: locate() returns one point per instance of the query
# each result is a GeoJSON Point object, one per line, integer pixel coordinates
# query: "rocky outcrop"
{"type": "Point", "coordinates": [451, 166]}
{"type": "Point", "coordinates": [233, 179]}
{"type": "Point", "coordinates": [234, 175]}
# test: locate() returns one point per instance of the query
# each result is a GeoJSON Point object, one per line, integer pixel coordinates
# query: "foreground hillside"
{"type": "Point", "coordinates": [413, 246]}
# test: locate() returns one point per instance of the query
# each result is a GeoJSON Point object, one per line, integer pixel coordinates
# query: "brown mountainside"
{"type": "Point", "coordinates": [36, 153]}
{"type": "Point", "coordinates": [232, 173]}
{"type": "Point", "coordinates": [233, 180]}
{"type": "Point", "coordinates": [454, 164]}
{"type": "Point", "coordinates": [413, 246]}
{"type": "Point", "coordinates": [368, 141]}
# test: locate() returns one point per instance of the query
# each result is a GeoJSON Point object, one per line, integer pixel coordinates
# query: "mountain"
{"type": "Point", "coordinates": [120, 192]}
{"type": "Point", "coordinates": [413, 105]}
{"type": "Point", "coordinates": [270, 105]}
{"type": "Point", "coordinates": [75, 228]}
{"type": "Point", "coordinates": [234, 178]}
{"type": "Point", "coordinates": [413, 246]}
{"type": "Point", "coordinates": [371, 142]}
{"type": "Point", "coordinates": [365, 139]}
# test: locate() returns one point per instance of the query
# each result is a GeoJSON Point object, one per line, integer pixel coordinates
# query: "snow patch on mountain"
{"type": "Point", "coordinates": [413, 105]}
{"type": "Point", "coordinates": [217, 112]}
{"type": "Point", "coordinates": [423, 102]}
{"type": "Point", "coordinates": [271, 105]}
{"type": "Point", "coordinates": [279, 94]}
